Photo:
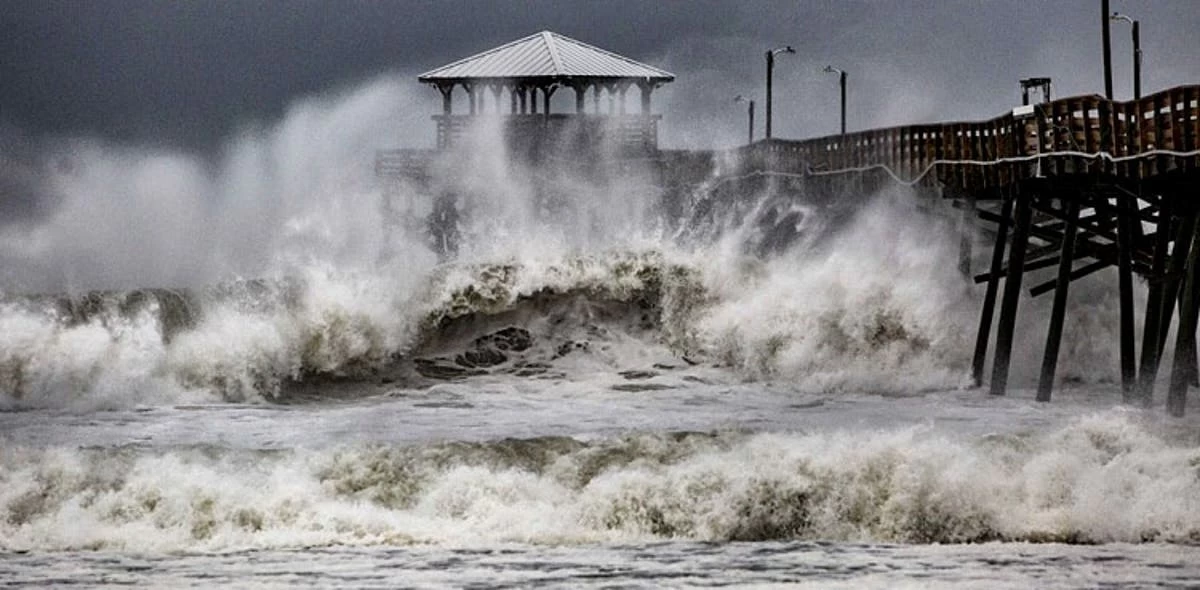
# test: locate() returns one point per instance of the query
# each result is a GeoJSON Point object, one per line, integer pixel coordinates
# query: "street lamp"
{"type": "Point", "coordinates": [770, 69]}
{"type": "Point", "coordinates": [749, 114]}
{"type": "Point", "coordinates": [1137, 53]}
{"type": "Point", "coordinates": [842, 78]}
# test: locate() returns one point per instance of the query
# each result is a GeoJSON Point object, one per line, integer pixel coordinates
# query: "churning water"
{"type": "Point", "coordinates": [582, 398]}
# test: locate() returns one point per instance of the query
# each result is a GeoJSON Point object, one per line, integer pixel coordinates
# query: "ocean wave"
{"type": "Point", "coordinates": [252, 341]}
{"type": "Point", "coordinates": [871, 307]}
{"type": "Point", "coordinates": [1104, 478]}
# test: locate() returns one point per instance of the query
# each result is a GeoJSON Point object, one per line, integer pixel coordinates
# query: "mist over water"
{"type": "Point", "coordinates": [281, 267]}
{"type": "Point", "coordinates": [274, 198]}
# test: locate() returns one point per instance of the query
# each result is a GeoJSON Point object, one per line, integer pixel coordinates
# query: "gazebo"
{"type": "Point", "coordinates": [530, 70]}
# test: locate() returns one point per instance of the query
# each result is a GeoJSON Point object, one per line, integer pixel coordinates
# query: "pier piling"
{"type": "Point", "coordinates": [1054, 333]}
{"type": "Point", "coordinates": [993, 284]}
{"type": "Point", "coordinates": [1012, 292]}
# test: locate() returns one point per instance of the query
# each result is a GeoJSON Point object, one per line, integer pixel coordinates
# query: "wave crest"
{"type": "Point", "coordinates": [1104, 478]}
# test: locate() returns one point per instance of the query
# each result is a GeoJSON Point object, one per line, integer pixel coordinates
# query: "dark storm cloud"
{"type": "Point", "coordinates": [187, 72]}
{"type": "Point", "coordinates": [183, 72]}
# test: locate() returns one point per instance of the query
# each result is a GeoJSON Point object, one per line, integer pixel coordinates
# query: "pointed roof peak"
{"type": "Point", "coordinates": [545, 55]}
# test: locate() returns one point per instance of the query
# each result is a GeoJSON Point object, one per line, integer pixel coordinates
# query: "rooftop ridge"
{"type": "Point", "coordinates": [549, 39]}
{"type": "Point", "coordinates": [479, 55]}
{"type": "Point", "coordinates": [544, 55]}
{"type": "Point", "coordinates": [614, 55]}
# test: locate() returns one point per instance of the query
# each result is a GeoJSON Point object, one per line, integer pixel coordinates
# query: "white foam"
{"type": "Point", "coordinates": [1103, 478]}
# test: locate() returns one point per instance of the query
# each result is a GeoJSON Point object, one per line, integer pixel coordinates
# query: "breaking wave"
{"type": "Point", "coordinates": [874, 307]}
{"type": "Point", "coordinates": [1103, 478]}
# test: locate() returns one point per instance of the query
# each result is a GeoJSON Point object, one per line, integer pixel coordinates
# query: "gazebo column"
{"type": "Point", "coordinates": [580, 92]}
{"type": "Point", "coordinates": [547, 92]}
{"type": "Point", "coordinates": [447, 91]}
{"type": "Point", "coordinates": [519, 91]}
{"type": "Point", "coordinates": [646, 89]}
{"type": "Point", "coordinates": [533, 101]}
{"type": "Point", "coordinates": [496, 90]}
{"type": "Point", "coordinates": [470, 88]}
{"type": "Point", "coordinates": [512, 98]}
{"type": "Point", "coordinates": [621, 97]}
{"type": "Point", "coordinates": [596, 99]}
{"type": "Point", "coordinates": [612, 98]}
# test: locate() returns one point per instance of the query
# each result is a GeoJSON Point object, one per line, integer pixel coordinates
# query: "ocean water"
{"type": "Point", "coordinates": [585, 397]}
{"type": "Point", "coordinates": [593, 421]}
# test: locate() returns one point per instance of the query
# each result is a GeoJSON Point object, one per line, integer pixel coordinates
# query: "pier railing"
{"type": "Point", "coordinates": [1078, 135]}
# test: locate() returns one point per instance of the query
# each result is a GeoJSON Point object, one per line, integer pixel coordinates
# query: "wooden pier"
{"type": "Point", "coordinates": [1078, 184]}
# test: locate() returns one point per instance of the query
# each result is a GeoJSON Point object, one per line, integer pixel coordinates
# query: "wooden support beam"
{"type": "Point", "coordinates": [1058, 312]}
{"type": "Point", "coordinates": [1185, 341]}
{"type": "Point", "coordinates": [1034, 230]}
{"type": "Point", "coordinates": [1175, 270]}
{"type": "Point", "coordinates": [1076, 274]}
{"type": "Point", "coordinates": [1012, 293]}
{"type": "Point", "coordinates": [1034, 261]}
{"type": "Point", "coordinates": [1151, 349]}
{"type": "Point", "coordinates": [989, 298]}
{"type": "Point", "coordinates": [1093, 224]}
{"type": "Point", "coordinates": [1128, 233]}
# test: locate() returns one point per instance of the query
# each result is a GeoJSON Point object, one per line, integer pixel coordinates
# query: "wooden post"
{"type": "Point", "coordinates": [1175, 270]}
{"type": "Point", "coordinates": [1054, 334]}
{"type": "Point", "coordinates": [1151, 349]}
{"type": "Point", "coordinates": [1127, 242]}
{"type": "Point", "coordinates": [1012, 294]}
{"type": "Point", "coordinates": [1185, 341]}
{"type": "Point", "coordinates": [966, 235]}
{"type": "Point", "coordinates": [989, 298]}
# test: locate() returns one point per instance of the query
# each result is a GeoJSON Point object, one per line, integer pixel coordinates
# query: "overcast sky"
{"type": "Point", "coordinates": [158, 142]}
{"type": "Point", "coordinates": [186, 73]}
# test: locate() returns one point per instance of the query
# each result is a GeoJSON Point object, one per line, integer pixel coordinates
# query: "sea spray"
{"type": "Point", "coordinates": [875, 307]}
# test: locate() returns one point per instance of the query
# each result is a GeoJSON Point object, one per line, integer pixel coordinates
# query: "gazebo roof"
{"type": "Point", "coordinates": [545, 56]}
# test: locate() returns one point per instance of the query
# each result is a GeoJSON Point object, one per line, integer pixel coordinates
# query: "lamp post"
{"type": "Point", "coordinates": [1137, 53]}
{"type": "Point", "coordinates": [749, 115]}
{"type": "Point", "coordinates": [842, 78]}
{"type": "Point", "coordinates": [1104, 18]}
{"type": "Point", "coordinates": [770, 69]}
